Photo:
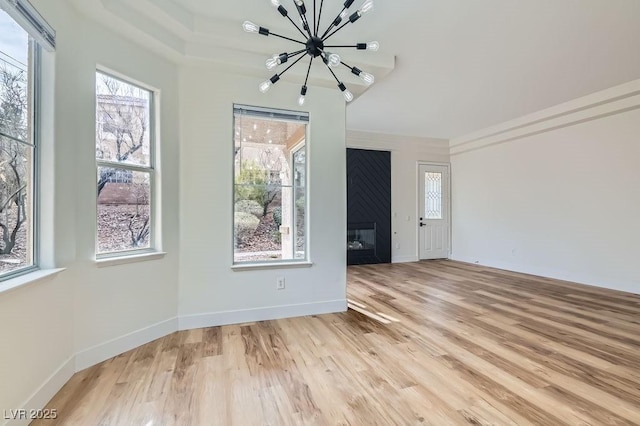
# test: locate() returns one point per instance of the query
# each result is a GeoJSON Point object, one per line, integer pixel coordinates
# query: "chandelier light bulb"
{"type": "Point", "coordinates": [275, 3]}
{"type": "Point", "coordinates": [348, 96]}
{"type": "Point", "coordinates": [344, 14]}
{"type": "Point", "coordinates": [301, 7]}
{"type": "Point", "coordinates": [264, 86]}
{"type": "Point", "coordinates": [367, 78]}
{"type": "Point", "coordinates": [272, 62]}
{"type": "Point", "coordinates": [250, 27]}
{"type": "Point", "coordinates": [303, 92]}
{"type": "Point", "coordinates": [373, 46]}
{"type": "Point", "coordinates": [334, 60]}
{"type": "Point", "coordinates": [366, 7]}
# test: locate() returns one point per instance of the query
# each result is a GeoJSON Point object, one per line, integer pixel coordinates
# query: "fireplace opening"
{"type": "Point", "coordinates": [361, 237]}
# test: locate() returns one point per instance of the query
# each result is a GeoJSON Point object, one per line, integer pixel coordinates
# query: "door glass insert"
{"type": "Point", "coordinates": [433, 195]}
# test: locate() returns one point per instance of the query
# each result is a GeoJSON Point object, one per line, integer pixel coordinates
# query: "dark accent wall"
{"type": "Point", "coordinates": [369, 201]}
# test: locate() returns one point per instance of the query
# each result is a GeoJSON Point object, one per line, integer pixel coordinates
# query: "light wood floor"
{"type": "Point", "coordinates": [470, 345]}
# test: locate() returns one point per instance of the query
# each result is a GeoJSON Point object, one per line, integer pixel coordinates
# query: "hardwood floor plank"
{"type": "Point", "coordinates": [448, 344]}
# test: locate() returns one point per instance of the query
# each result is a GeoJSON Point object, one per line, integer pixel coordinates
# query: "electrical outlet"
{"type": "Point", "coordinates": [280, 283]}
{"type": "Point", "coordinates": [397, 245]}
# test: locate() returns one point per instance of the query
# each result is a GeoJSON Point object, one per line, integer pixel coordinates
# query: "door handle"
{"type": "Point", "coordinates": [422, 224]}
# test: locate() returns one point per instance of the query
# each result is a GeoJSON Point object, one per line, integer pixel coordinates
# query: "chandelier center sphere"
{"type": "Point", "coordinates": [315, 46]}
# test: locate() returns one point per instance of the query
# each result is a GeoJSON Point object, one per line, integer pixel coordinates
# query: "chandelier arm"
{"type": "Point", "coordinates": [319, 17]}
{"type": "Point", "coordinates": [313, 31]}
{"type": "Point", "coordinates": [335, 31]}
{"type": "Point", "coordinates": [297, 27]}
{"type": "Point", "coordinates": [353, 46]}
{"type": "Point", "coordinates": [304, 20]}
{"type": "Point", "coordinates": [333, 74]}
{"type": "Point", "coordinates": [333, 24]}
{"type": "Point", "coordinates": [348, 66]}
{"type": "Point", "coordinates": [294, 62]}
{"type": "Point", "coordinates": [297, 52]}
{"type": "Point", "coordinates": [308, 71]}
{"type": "Point", "coordinates": [287, 38]}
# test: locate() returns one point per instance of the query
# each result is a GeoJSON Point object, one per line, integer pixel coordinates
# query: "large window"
{"type": "Point", "coordinates": [125, 160]}
{"type": "Point", "coordinates": [270, 183]}
{"type": "Point", "coordinates": [19, 118]}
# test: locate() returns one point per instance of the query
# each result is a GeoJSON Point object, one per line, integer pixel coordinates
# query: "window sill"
{"type": "Point", "coordinates": [28, 278]}
{"type": "Point", "coordinates": [104, 262]}
{"type": "Point", "coordinates": [278, 265]}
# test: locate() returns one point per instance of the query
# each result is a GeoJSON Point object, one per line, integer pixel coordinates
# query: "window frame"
{"type": "Point", "coordinates": [280, 115]}
{"type": "Point", "coordinates": [151, 169]}
{"type": "Point", "coordinates": [294, 225]}
{"type": "Point", "coordinates": [34, 86]}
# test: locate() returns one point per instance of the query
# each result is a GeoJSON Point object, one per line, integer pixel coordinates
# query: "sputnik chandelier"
{"type": "Point", "coordinates": [314, 44]}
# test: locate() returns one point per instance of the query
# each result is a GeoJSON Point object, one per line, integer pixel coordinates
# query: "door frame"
{"type": "Point", "coordinates": [417, 206]}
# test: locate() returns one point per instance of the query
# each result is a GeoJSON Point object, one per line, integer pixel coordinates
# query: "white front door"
{"type": "Point", "coordinates": [433, 211]}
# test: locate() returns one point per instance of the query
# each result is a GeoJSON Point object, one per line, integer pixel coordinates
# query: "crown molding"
{"type": "Point", "coordinates": [615, 100]}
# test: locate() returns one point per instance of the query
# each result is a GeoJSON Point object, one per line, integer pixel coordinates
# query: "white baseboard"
{"type": "Point", "coordinates": [213, 319]}
{"type": "Point", "coordinates": [554, 274]}
{"type": "Point", "coordinates": [113, 347]}
{"type": "Point", "coordinates": [46, 391]}
{"type": "Point", "coordinates": [404, 259]}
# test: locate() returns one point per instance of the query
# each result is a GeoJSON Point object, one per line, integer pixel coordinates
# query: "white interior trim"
{"type": "Point", "coordinates": [624, 97]}
{"type": "Point", "coordinates": [103, 351]}
{"type": "Point", "coordinates": [267, 265]}
{"type": "Point", "coordinates": [102, 262]}
{"type": "Point", "coordinates": [28, 278]}
{"type": "Point", "coordinates": [404, 259]}
{"type": "Point", "coordinates": [45, 392]}
{"type": "Point", "coordinates": [214, 319]}
{"type": "Point", "coordinates": [556, 274]}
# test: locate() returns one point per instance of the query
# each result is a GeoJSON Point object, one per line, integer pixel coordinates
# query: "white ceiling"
{"type": "Point", "coordinates": [445, 67]}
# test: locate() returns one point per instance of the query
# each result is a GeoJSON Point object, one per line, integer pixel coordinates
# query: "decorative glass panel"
{"type": "Point", "coordinates": [433, 195]}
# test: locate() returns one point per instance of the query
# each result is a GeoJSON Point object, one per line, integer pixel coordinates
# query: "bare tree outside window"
{"type": "Point", "coordinates": [124, 156]}
{"type": "Point", "coordinates": [16, 148]}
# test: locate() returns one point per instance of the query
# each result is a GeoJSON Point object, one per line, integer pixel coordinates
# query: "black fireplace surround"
{"type": "Point", "coordinates": [368, 207]}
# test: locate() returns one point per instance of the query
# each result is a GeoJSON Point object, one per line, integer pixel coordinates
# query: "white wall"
{"type": "Point", "coordinates": [211, 293]}
{"type": "Point", "coordinates": [406, 152]}
{"type": "Point", "coordinates": [556, 193]}
{"type": "Point", "coordinates": [43, 325]}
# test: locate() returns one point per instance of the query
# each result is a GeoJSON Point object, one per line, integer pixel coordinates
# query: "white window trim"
{"type": "Point", "coordinates": [29, 278]}
{"type": "Point", "coordinates": [285, 264]}
{"type": "Point", "coordinates": [28, 18]}
{"type": "Point", "coordinates": [42, 47]}
{"type": "Point", "coordinates": [278, 263]}
{"type": "Point", "coordinates": [154, 251]}
{"type": "Point", "coordinates": [129, 257]}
